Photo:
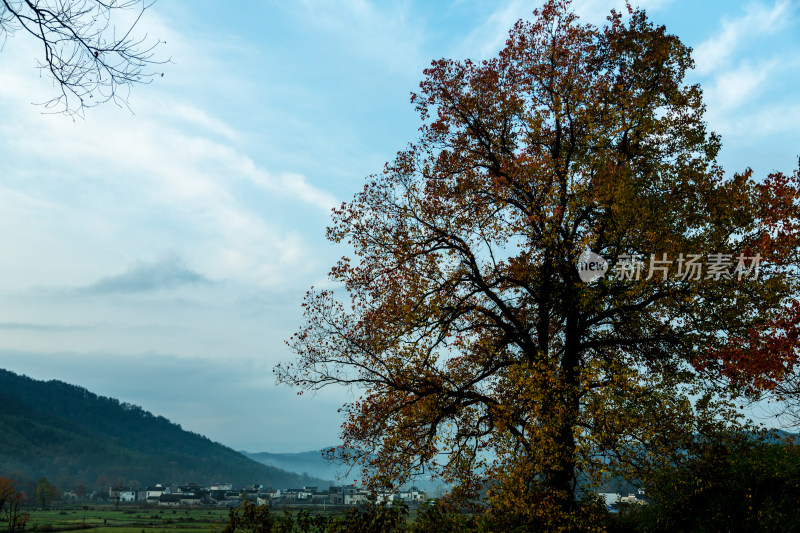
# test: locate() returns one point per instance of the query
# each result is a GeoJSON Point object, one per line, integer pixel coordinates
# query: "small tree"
{"type": "Point", "coordinates": [11, 505]}
{"type": "Point", "coordinates": [45, 493]}
{"type": "Point", "coordinates": [250, 517]}
{"type": "Point", "coordinates": [7, 491]}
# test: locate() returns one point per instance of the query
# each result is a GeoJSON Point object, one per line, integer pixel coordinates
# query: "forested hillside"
{"type": "Point", "coordinates": [75, 437]}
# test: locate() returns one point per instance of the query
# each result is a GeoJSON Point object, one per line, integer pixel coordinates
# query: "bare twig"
{"type": "Point", "coordinates": [89, 60]}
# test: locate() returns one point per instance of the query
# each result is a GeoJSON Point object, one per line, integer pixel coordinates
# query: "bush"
{"type": "Point", "coordinates": [745, 485]}
{"type": "Point", "coordinates": [434, 518]}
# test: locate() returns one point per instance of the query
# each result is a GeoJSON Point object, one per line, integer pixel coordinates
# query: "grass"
{"type": "Point", "coordinates": [127, 520]}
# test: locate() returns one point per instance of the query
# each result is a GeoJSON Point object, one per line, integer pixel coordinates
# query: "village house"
{"type": "Point", "coordinates": [169, 500]}
{"type": "Point", "coordinates": [152, 493]}
{"type": "Point", "coordinates": [223, 495]}
{"type": "Point", "coordinates": [122, 494]}
{"type": "Point", "coordinates": [412, 495]}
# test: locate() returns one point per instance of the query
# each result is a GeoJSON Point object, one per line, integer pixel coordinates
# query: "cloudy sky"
{"type": "Point", "coordinates": [159, 254]}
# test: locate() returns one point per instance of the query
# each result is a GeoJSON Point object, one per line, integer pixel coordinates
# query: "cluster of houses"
{"type": "Point", "coordinates": [614, 499]}
{"type": "Point", "coordinates": [223, 495]}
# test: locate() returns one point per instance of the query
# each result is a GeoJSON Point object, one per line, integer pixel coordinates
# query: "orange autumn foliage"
{"type": "Point", "coordinates": [10, 506]}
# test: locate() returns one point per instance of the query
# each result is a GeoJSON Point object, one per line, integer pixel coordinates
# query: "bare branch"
{"type": "Point", "coordinates": [83, 50]}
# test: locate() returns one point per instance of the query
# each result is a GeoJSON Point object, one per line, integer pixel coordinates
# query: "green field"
{"type": "Point", "coordinates": [128, 520]}
{"type": "Point", "coordinates": [105, 518]}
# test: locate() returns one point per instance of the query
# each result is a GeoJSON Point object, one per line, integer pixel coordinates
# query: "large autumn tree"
{"type": "Point", "coordinates": [482, 354]}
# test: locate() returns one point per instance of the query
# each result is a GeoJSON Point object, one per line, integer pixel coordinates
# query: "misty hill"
{"type": "Point", "coordinates": [75, 437]}
{"type": "Point", "coordinates": [310, 462]}
{"type": "Point", "coordinates": [313, 463]}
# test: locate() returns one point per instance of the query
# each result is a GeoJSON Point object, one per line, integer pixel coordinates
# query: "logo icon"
{"type": "Point", "coordinates": [591, 266]}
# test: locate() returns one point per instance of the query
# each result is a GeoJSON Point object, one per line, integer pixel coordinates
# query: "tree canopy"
{"type": "Point", "coordinates": [45, 493]}
{"type": "Point", "coordinates": [556, 282]}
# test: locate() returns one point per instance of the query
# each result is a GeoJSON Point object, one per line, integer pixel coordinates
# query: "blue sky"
{"type": "Point", "coordinates": [159, 254]}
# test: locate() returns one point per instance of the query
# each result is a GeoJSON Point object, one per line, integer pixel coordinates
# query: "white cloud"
{"type": "Point", "coordinates": [383, 34]}
{"type": "Point", "coordinates": [747, 74]}
{"type": "Point", "coordinates": [490, 37]}
{"type": "Point", "coordinates": [758, 20]}
{"type": "Point", "coordinates": [732, 88]}
{"type": "Point", "coordinates": [171, 159]}
{"type": "Point", "coordinates": [290, 185]}
{"type": "Point", "coordinates": [596, 11]}
{"type": "Point", "coordinates": [759, 124]}
{"type": "Point", "coordinates": [199, 119]}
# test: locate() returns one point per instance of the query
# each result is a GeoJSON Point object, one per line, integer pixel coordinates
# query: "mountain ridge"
{"type": "Point", "coordinates": [75, 437]}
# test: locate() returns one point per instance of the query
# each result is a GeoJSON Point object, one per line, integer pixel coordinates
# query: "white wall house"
{"type": "Point", "coordinates": [154, 492]}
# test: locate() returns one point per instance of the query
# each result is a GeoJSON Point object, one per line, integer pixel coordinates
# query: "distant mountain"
{"type": "Point", "coordinates": [74, 437]}
{"type": "Point", "coordinates": [313, 463]}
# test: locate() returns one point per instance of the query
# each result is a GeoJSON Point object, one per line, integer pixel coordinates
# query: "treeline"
{"type": "Point", "coordinates": [76, 438]}
{"type": "Point", "coordinates": [750, 485]}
